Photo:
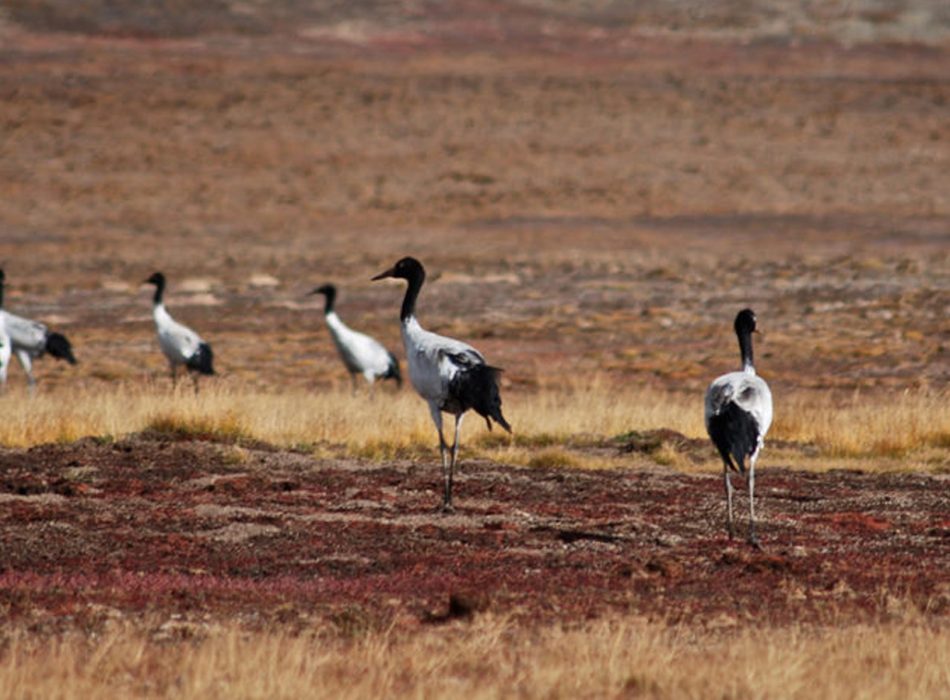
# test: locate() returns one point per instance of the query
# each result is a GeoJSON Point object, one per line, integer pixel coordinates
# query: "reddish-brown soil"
{"type": "Point", "coordinates": [155, 524]}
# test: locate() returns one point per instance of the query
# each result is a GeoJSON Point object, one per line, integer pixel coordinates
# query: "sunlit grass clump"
{"type": "Point", "coordinates": [225, 427]}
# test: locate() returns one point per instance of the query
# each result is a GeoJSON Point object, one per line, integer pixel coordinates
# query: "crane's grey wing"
{"type": "Point", "coordinates": [25, 334]}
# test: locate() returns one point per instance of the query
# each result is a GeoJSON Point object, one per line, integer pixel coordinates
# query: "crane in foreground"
{"type": "Point", "coordinates": [450, 375]}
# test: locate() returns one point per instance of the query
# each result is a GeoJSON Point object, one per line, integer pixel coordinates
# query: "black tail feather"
{"type": "Point", "coordinates": [393, 372]}
{"type": "Point", "coordinates": [477, 387]}
{"type": "Point", "coordinates": [735, 434]}
{"type": "Point", "coordinates": [202, 361]}
{"type": "Point", "coordinates": [58, 346]}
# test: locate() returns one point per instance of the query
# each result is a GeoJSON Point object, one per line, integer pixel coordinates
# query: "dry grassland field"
{"type": "Point", "coordinates": [595, 188]}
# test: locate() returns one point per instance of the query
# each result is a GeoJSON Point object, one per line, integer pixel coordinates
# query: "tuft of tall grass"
{"type": "Point", "coordinates": [226, 427]}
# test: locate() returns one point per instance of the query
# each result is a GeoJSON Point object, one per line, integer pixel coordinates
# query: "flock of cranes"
{"type": "Point", "coordinates": [450, 375]}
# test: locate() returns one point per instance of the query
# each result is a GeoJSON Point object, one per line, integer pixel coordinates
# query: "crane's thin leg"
{"type": "Point", "coordinates": [753, 539]}
{"type": "Point", "coordinates": [27, 364]}
{"type": "Point", "coordinates": [371, 382]}
{"type": "Point", "coordinates": [194, 378]}
{"type": "Point", "coordinates": [174, 370]}
{"type": "Point", "coordinates": [455, 455]}
{"type": "Point", "coordinates": [446, 478]}
{"type": "Point", "coordinates": [729, 489]}
{"type": "Point", "coordinates": [353, 383]}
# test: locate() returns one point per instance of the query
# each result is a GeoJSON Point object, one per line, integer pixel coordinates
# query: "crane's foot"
{"type": "Point", "coordinates": [447, 508]}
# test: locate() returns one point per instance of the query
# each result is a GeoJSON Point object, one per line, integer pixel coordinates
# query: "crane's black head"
{"type": "Point", "coordinates": [407, 269]}
{"type": "Point", "coordinates": [59, 346]}
{"type": "Point", "coordinates": [745, 322]}
{"type": "Point", "coordinates": [2, 279]}
{"type": "Point", "coordinates": [412, 271]}
{"type": "Point", "coordinates": [157, 278]}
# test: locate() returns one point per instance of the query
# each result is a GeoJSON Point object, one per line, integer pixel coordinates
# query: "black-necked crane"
{"type": "Point", "coordinates": [180, 344]}
{"type": "Point", "coordinates": [360, 353]}
{"type": "Point", "coordinates": [450, 375]}
{"type": "Point", "coordinates": [738, 410]}
{"type": "Point", "coordinates": [6, 345]}
{"type": "Point", "coordinates": [32, 339]}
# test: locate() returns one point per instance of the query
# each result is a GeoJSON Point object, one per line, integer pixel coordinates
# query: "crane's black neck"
{"type": "Point", "coordinates": [329, 294]}
{"type": "Point", "coordinates": [745, 348]}
{"type": "Point", "coordinates": [159, 292]}
{"type": "Point", "coordinates": [415, 278]}
{"type": "Point", "coordinates": [2, 280]}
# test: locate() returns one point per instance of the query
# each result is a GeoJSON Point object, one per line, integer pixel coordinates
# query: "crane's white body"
{"type": "Point", "coordinates": [27, 335]}
{"type": "Point", "coordinates": [360, 353]}
{"type": "Point", "coordinates": [6, 349]}
{"type": "Point", "coordinates": [28, 341]}
{"type": "Point", "coordinates": [177, 341]}
{"type": "Point", "coordinates": [433, 361]}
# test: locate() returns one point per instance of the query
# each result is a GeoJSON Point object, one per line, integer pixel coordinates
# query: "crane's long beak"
{"type": "Point", "coordinates": [391, 272]}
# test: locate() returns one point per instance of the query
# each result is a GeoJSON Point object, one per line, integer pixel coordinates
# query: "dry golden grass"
{"type": "Point", "coordinates": [891, 426]}
{"type": "Point", "coordinates": [377, 425]}
{"type": "Point", "coordinates": [490, 658]}
{"type": "Point", "coordinates": [553, 427]}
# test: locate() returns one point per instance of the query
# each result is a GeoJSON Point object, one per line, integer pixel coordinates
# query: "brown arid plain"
{"type": "Point", "coordinates": [595, 189]}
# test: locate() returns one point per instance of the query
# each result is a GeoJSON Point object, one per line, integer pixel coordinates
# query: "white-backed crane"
{"type": "Point", "coordinates": [360, 353]}
{"type": "Point", "coordinates": [180, 344]}
{"type": "Point", "coordinates": [738, 412]}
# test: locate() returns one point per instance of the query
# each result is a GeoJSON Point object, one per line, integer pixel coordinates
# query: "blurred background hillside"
{"type": "Point", "coordinates": [499, 21]}
{"type": "Point", "coordinates": [594, 186]}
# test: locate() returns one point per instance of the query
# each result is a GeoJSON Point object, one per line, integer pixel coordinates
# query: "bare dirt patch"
{"type": "Point", "coordinates": [168, 526]}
